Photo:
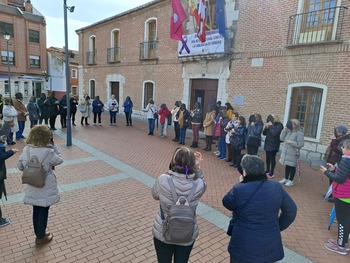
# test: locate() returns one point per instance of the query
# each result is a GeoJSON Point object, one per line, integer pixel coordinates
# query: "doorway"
{"type": "Point", "coordinates": [115, 89]}
{"type": "Point", "coordinates": [204, 91]}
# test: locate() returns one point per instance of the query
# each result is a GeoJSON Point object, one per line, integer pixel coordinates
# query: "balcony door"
{"type": "Point", "coordinates": [152, 36]}
{"type": "Point", "coordinates": [318, 21]}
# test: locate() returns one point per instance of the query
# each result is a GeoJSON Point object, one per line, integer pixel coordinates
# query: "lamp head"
{"type": "Point", "coordinates": [7, 36]}
{"type": "Point", "coordinates": [71, 8]}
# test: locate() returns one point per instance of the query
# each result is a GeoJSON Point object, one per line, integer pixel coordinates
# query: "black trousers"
{"type": "Point", "coordinates": [63, 119]}
{"type": "Point", "coordinates": [290, 172]}
{"type": "Point", "coordinates": [177, 130]}
{"type": "Point", "coordinates": [252, 150]}
{"type": "Point", "coordinates": [270, 161]}
{"type": "Point", "coordinates": [52, 121]}
{"type": "Point", "coordinates": [128, 118]}
{"type": "Point", "coordinates": [165, 252]}
{"type": "Point", "coordinates": [236, 156]}
{"type": "Point", "coordinates": [40, 217]}
{"type": "Point", "coordinates": [342, 210]}
{"type": "Point", "coordinates": [98, 116]}
{"type": "Point", "coordinates": [72, 116]}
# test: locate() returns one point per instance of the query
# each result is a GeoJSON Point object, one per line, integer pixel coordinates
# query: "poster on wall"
{"type": "Point", "coordinates": [191, 45]}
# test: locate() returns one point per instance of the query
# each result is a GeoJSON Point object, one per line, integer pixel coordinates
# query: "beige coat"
{"type": "Point", "coordinates": [208, 123]}
{"type": "Point", "coordinates": [161, 191]}
{"type": "Point", "coordinates": [48, 194]}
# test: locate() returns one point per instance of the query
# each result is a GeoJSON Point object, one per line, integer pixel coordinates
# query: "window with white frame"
{"type": "Point", "coordinates": [149, 47]}
{"type": "Point", "coordinates": [74, 74]}
{"type": "Point", "coordinates": [307, 105]}
{"type": "Point", "coordinates": [4, 57]}
{"type": "Point", "coordinates": [113, 53]}
{"type": "Point", "coordinates": [316, 21]}
{"type": "Point", "coordinates": [34, 61]}
{"type": "Point", "coordinates": [74, 90]}
{"type": "Point", "coordinates": [148, 91]}
{"type": "Point", "coordinates": [26, 88]}
{"type": "Point", "coordinates": [7, 88]}
{"type": "Point", "coordinates": [17, 87]}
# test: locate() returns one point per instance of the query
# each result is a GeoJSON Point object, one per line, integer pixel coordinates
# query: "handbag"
{"type": "Point", "coordinates": [233, 219]}
{"type": "Point", "coordinates": [254, 142]}
{"type": "Point", "coordinates": [10, 123]}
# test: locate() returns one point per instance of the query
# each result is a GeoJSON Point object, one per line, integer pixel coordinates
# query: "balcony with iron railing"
{"type": "Point", "coordinates": [148, 50]}
{"type": "Point", "coordinates": [91, 57]}
{"type": "Point", "coordinates": [113, 55]}
{"type": "Point", "coordinates": [321, 26]}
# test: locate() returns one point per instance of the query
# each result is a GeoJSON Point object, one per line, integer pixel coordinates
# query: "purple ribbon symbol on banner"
{"type": "Point", "coordinates": [184, 45]}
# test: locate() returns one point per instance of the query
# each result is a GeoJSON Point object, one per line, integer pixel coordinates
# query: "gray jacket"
{"type": "Point", "coordinates": [161, 191]}
{"type": "Point", "coordinates": [289, 151]}
{"type": "Point", "coordinates": [48, 194]}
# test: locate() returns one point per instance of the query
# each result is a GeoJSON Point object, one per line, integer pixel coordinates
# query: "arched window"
{"type": "Point", "coordinates": [148, 92]}
{"type": "Point", "coordinates": [92, 88]}
{"type": "Point", "coordinates": [149, 47]}
{"type": "Point", "coordinates": [91, 54]}
{"type": "Point", "coordinates": [113, 53]}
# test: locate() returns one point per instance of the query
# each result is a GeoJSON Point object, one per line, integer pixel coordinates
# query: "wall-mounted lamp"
{"type": "Point", "coordinates": [71, 8]}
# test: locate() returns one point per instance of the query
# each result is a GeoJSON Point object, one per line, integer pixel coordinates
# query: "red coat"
{"type": "Point", "coordinates": [163, 114]}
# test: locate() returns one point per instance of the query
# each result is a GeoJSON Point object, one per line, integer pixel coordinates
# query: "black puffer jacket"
{"type": "Point", "coordinates": [272, 140]}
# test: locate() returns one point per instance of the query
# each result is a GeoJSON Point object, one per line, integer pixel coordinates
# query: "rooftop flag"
{"type": "Point", "coordinates": [193, 4]}
{"type": "Point", "coordinates": [179, 15]}
{"type": "Point", "coordinates": [220, 17]}
{"type": "Point", "coordinates": [201, 23]}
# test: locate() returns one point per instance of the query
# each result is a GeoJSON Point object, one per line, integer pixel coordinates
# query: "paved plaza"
{"type": "Point", "coordinates": [106, 210]}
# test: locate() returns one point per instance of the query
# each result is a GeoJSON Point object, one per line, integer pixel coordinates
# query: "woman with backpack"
{"type": "Point", "coordinates": [184, 179]}
{"type": "Point", "coordinates": [40, 144]}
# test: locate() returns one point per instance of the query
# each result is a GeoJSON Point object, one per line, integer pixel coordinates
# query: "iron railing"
{"type": "Point", "coordinates": [148, 50]}
{"type": "Point", "coordinates": [316, 27]}
{"type": "Point", "coordinates": [113, 55]}
{"type": "Point", "coordinates": [91, 57]}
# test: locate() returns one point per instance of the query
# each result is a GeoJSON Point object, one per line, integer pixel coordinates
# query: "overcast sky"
{"type": "Point", "coordinates": [86, 12]}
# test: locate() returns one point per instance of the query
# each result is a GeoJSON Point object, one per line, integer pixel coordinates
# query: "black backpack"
{"type": "Point", "coordinates": [179, 225]}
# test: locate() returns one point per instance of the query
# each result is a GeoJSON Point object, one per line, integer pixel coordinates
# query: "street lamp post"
{"type": "Point", "coordinates": [68, 120]}
{"type": "Point", "coordinates": [7, 37]}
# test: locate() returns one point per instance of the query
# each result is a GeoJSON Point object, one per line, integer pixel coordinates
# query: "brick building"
{"type": "Point", "coordinates": [27, 48]}
{"type": "Point", "coordinates": [281, 57]}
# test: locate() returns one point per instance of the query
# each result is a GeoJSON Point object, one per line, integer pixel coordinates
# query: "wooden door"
{"type": "Point", "coordinates": [115, 89]}
{"type": "Point", "coordinates": [152, 36]}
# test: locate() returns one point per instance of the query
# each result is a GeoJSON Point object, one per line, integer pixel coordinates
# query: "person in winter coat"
{"type": "Point", "coordinates": [97, 108]}
{"type": "Point", "coordinates": [272, 131]}
{"type": "Point", "coordinates": [54, 110]}
{"type": "Point", "coordinates": [73, 107]}
{"type": "Point", "coordinates": [44, 108]}
{"type": "Point", "coordinates": [341, 193]}
{"type": "Point", "coordinates": [34, 112]}
{"type": "Point", "coordinates": [152, 112]}
{"type": "Point", "coordinates": [174, 112]}
{"type": "Point", "coordinates": [208, 125]}
{"type": "Point", "coordinates": [183, 116]}
{"type": "Point", "coordinates": [254, 130]}
{"type": "Point", "coordinates": [128, 105]}
{"type": "Point", "coordinates": [4, 155]}
{"type": "Point", "coordinates": [9, 115]}
{"type": "Point", "coordinates": [223, 120]}
{"type": "Point", "coordinates": [197, 118]}
{"type": "Point", "coordinates": [85, 108]}
{"type": "Point", "coordinates": [63, 111]}
{"type": "Point", "coordinates": [113, 107]}
{"type": "Point", "coordinates": [238, 141]}
{"type": "Point", "coordinates": [163, 119]}
{"type": "Point", "coordinates": [22, 115]}
{"type": "Point", "coordinates": [40, 143]}
{"type": "Point", "coordinates": [261, 209]}
{"type": "Point", "coordinates": [184, 170]}
{"type": "Point", "coordinates": [229, 129]}
{"type": "Point", "coordinates": [293, 137]}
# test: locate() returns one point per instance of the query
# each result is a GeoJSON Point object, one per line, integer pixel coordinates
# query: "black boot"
{"type": "Point", "coordinates": [82, 121]}
{"type": "Point", "coordinates": [86, 123]}
{"type": "Point", "coordinates": [195, 145]}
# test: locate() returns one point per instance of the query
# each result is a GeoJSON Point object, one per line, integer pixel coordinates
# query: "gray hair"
{"type": "Point", "coordinates": [252, 165]}
{"type": "Point", "coordinates": [346, 144]}
{"type": "Point", "coordinates": [342, 129]}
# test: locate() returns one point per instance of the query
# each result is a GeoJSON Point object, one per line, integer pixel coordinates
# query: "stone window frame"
{"type": "Point", "coordinates": [145, 99]}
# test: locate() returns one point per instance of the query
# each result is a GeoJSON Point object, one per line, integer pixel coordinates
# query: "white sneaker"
{"type": "Point", "coordinates": [289, 183]}
{"type": "Point", "coordinates": [283, 181]}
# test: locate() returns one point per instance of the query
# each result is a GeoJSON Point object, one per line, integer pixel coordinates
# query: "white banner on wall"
{"type": "Point", "coordinates": [191, 45]}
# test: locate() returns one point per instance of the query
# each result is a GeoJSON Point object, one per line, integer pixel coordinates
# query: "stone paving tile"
{"type": "Point", "coordinates": [98, 224]}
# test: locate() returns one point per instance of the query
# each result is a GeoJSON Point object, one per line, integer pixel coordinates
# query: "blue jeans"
{"type": "Point", "coordinates": [112, 116]}
{"type": "Point", "coordinates": [40, 216]}
{"type": "Point", "coordinates": [21, 125]}
{"type": "Point", "coordinates": [151, 125]}
{"type": "Point", "coordinates": [222, 147]}
{"type": "Point", "coordinates": [183, 134]}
